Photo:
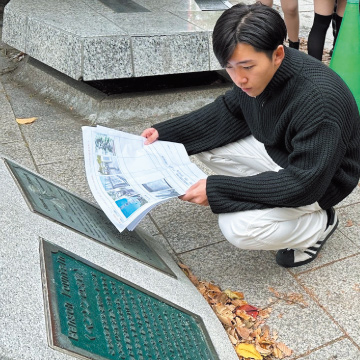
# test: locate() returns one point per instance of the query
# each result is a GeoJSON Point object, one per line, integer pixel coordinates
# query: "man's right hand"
{"type": "Point", "coordinates": [151, 135]}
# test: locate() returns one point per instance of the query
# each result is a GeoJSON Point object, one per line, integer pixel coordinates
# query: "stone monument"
{"type": "Point", "coordinates": [73, 287]}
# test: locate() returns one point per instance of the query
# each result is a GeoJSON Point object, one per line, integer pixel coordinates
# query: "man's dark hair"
{"type": "Point", "coordinates": [257, 25]}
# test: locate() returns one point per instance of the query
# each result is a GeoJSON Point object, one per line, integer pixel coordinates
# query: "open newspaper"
{"type": "Point", "coordinates": [128, 178]}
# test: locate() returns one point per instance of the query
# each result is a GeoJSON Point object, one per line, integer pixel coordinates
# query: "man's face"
{"type": "Point", "coordinates": [252, 71]}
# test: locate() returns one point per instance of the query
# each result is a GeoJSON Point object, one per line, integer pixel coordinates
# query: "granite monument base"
{"type": "Point", "coordinates": [65, 294]}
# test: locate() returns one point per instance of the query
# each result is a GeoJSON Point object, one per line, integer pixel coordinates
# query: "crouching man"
{"type": "Point", "coordinates": [284, 142]}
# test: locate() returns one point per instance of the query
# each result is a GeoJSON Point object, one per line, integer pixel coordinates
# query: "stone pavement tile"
{"type": "Point", "coordinates": [343, 349]}
{"type": "Point", "coordinates": [9, 127]}
{"type": "Point", "coordinates": [337, 289]}
{"type": "Point", "coordinates": [27, 103]}
{"type": "Point", "coordinates": [55, 138]}
{"type": "Point", "coordinates": [186, 226]}
{"type": "Point", "coordinates": [19, 153]}
{"type": "Point", "coordinates": [300, 327]}
{"type": "Point", "coordinates": [69, 174]}
{"type": "Point", "coordinates": [161, 241]}
{"type": "Point", "coordinates": [349, 218]}
{"type": "Point", "coordinates": [338, 246]}
{"type": "Point", "coordinates": [353, 198]}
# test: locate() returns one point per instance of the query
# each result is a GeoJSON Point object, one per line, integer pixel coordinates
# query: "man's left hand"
{"type": "Point", "coordinates": [196, 194]}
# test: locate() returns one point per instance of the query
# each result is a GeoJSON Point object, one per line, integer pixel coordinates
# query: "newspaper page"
{"type": "Point", "coordinates": [128, 178]}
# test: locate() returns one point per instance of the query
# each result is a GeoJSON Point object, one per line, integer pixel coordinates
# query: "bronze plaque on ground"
{"type": "Point", "coordinates": [68, 209]}
{"type": "Point", "coordinates": [96, 315]}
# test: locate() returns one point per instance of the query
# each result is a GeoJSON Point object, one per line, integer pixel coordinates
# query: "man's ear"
{"type": "Point", "coordinates": [279, 55]}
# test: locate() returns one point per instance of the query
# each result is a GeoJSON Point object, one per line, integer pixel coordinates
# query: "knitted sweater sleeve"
{"type": "Point", "coordinates": [211, 126]}
{"type": "Point", "coordinates": [317, 152]}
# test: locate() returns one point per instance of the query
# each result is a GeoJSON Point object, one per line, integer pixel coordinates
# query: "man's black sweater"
{"type": "Point", "coordinates": [309, 123]}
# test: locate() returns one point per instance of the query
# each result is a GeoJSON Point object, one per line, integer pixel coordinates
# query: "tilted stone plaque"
{"type": "Point", "coordinates": [97, 315]}
{"type": "Point", "coordinates": [68, 209]}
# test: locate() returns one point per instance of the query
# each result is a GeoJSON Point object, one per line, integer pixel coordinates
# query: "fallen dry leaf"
{"type": "Point", "coordinates": [250, 310]}
{"type": "Point", "coordinates": [290, 298]}
{"type": "Point", "coordinates": [243, 332]}
{"type": "Point", "coordinates": [248, 351]}
{"type": "Point", "coordinates": [234, 295]}
{"type": "Point", "coordinates": [284, 349]}
{"type": "Point", "coordinates": [23, 121]}
{"type": "Point", "coordinates": [349, 223]}
{"type": "Point", "coordinates": [244, 322]}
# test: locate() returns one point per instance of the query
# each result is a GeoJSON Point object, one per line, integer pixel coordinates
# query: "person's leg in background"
{"type": "Point", "coordinates": [339, 11]}
{"type": "Point", "coordinates": [323, 14]}
{"type": "Point", "coordinates": [290, 9]}
{"type": "Point", "coordinates": [291, 16]}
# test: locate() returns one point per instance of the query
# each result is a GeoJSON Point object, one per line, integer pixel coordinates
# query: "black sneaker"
{"type": "Point", "coordinates": [297, 257]}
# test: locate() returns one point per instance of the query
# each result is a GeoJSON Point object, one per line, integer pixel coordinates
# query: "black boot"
{"type": "Point", "coordinates": [294, 45]}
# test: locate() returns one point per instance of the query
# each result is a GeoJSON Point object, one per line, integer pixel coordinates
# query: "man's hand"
{"type": "Point", "coordinates": [196, 193]}
{"type": "Point", "coordinates": [151, 135]}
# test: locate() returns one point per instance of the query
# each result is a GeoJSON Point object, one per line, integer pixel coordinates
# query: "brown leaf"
{"type": "Point", "coordinates": [225, 319]}
{"type": "Point", "coordinates": [23, 121]}
{"type": "Point", "coordinates": [262, 350]}
{"type": "Point", "coordinates": [243, 332]}
{"type": "Point", "coordinates": [233, 339]}
{"type": "Point", "coordinates": [284, 349]}
{"type": "Point", "coordinates": [349, 223]}
{"type": "Point", "coordinates": [237, 303]}
{"type": "Point", "coordinates": [277, 353]}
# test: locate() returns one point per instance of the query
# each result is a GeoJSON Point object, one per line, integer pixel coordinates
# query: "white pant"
{"type": "Point", "coordinates": [269, 229]}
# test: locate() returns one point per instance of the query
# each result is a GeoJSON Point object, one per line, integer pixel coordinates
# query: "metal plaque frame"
{"type": "Point", "coordinates": [62, 207]}
{"type": "Point", "coordinates": [94, 314]}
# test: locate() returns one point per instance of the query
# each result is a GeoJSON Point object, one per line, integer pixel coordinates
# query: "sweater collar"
{"type": "Point", "coordinates": [290, 67]}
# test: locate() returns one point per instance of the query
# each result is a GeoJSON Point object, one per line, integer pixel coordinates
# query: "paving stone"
{"type": "Point", "coordinates": [69, 174]}
{"type": "Point", "coordinates": [176, 221]}
{"type": "Point", "coordinates": [337, 247]}
{"type": "Point", "coordinates": [337, 289]}
{"type": "Point", "coordinates": [62, 142]}
{"type": "Point", "coordinates": [26, 103]}
{"type": "Point", "coordinates": [255, 273]}
{"type": "Point", "coordinates": [343, 349]}
{"type": "Point", "coordinates": [9, 127]}
{"type": "Point", "coordinates": [349, 218]}
{"type": "Point", "coordinates": [19, 153]}
{"type": "Point", "coordinates": [353, 198]}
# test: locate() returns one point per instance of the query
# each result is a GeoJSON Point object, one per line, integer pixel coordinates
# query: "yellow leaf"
{"type": "Point", "coordinates": [234, 295]}
{"type": "Point", "coordinates": [248, 351]}
{"type": "Point", "coordinates": [25, 120]}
